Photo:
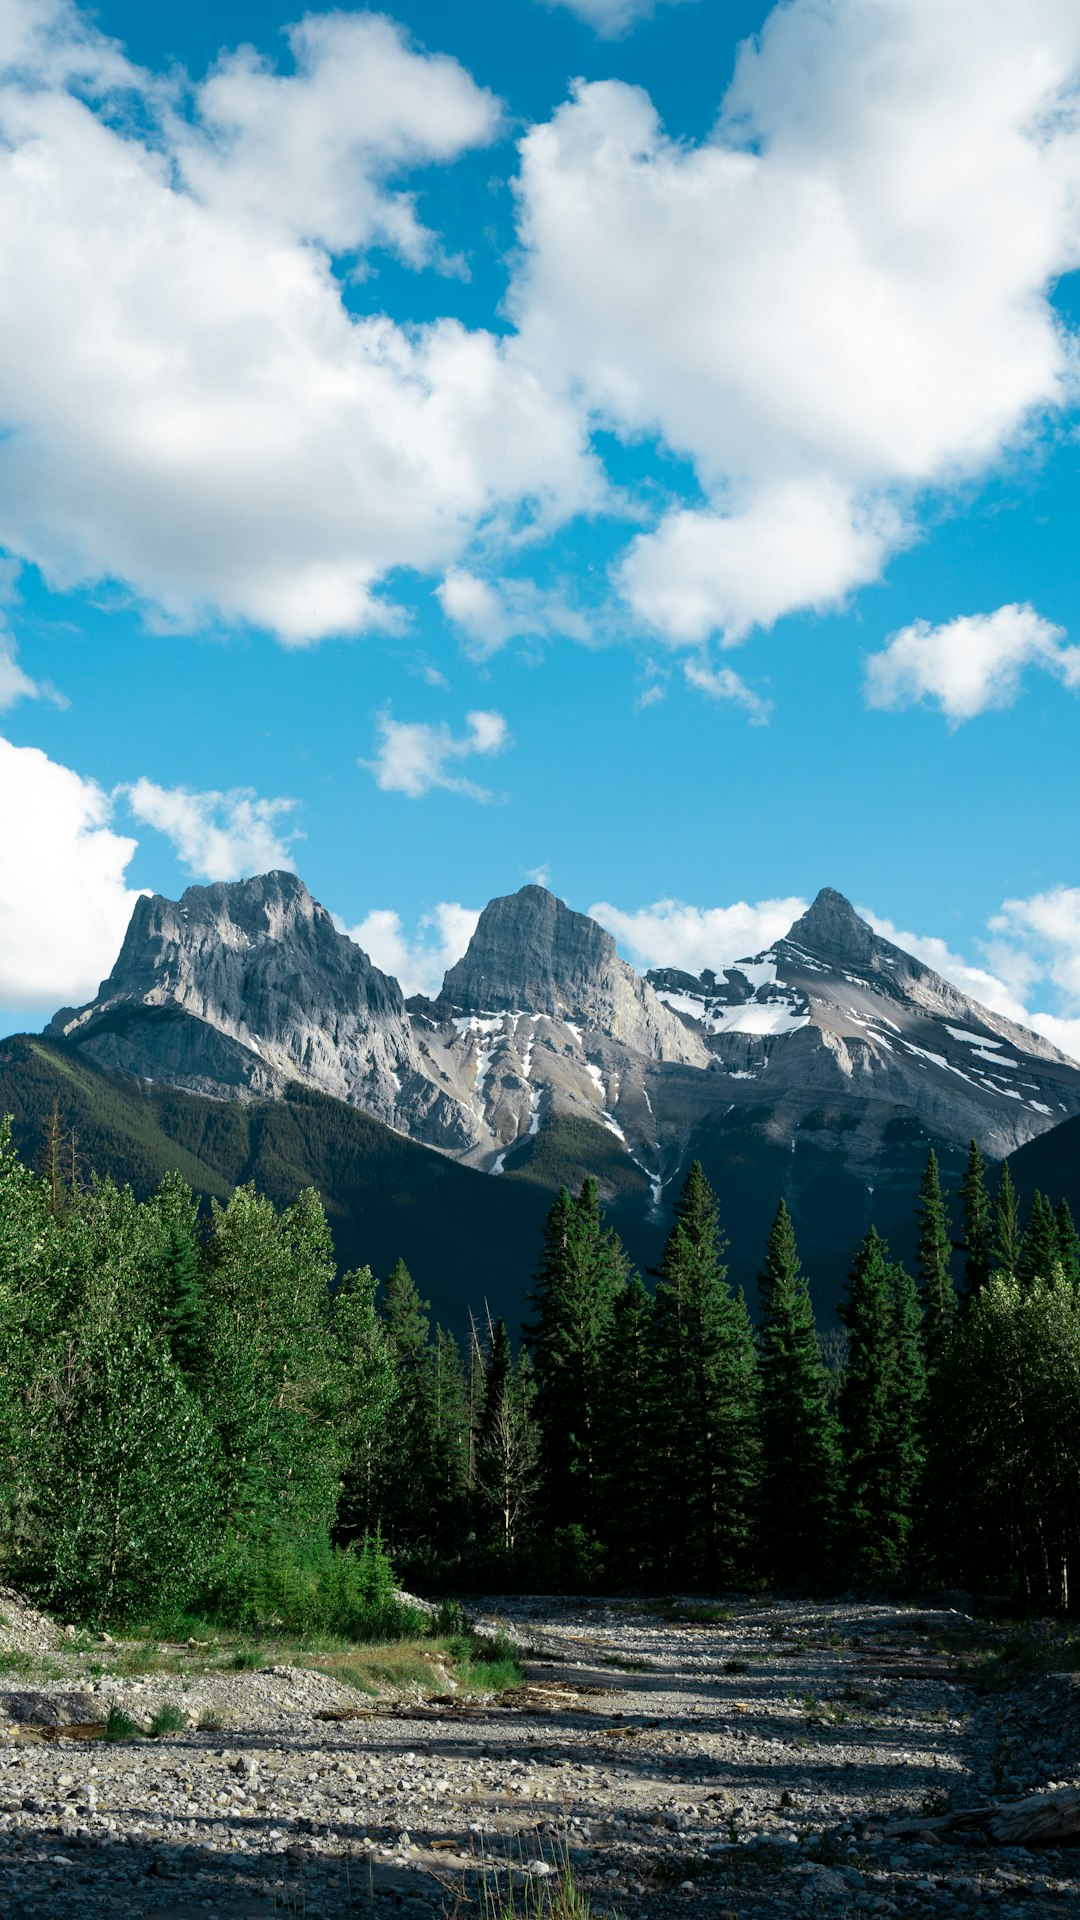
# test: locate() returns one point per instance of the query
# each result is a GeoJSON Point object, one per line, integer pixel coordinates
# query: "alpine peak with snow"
{"type": "Point", "coordinates": [834, 1057]}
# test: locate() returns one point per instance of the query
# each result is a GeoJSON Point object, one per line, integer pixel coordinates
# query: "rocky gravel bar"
{"type": "Point", "coordinates": [741, 1766]}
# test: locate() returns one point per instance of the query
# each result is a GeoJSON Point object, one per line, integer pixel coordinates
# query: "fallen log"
{"type": "Point", "coordinates": [1039, 1820]}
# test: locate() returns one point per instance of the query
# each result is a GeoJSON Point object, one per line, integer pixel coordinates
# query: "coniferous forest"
{"type": "Point", "coordinates": [200, 1416]}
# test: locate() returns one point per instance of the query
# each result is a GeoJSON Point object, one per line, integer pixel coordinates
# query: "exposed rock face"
{"type": "Point", "coordinates": [833, 1044]}
{"type": "Point", "coordinates": [531, 953]}
{"type": "Point", "coordinates": [242, 986]}
{"type": "Point", "coordinates": [834, 1013]}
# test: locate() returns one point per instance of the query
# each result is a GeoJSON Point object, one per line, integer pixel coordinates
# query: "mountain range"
{"type": "Point", "coordinates": [822, 1068]}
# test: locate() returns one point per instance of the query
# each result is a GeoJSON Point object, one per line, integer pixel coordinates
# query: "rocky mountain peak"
{"type": "Point", "coordinates": [530, 950]}
{"type": "Point", "coordinates": [832, 931]}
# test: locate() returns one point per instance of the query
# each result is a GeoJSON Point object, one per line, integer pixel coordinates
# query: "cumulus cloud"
{"type": "Point", "coordinates": [418, 962]}
{"type": "Point", "coordinates": [487, 616]}
{"type": "Point", "coordinates": [610, 18]}
{"type": "Point", "coordinates": [721, 683]}
{"type": "Point", "coordinates": [672, 934]}
{"type": "Point", "coordinates": [970, 664]}
{"type": "Point", "coordinates": [218, 836]}
{"type": "Point", "coordinates": [414, 756]}
{"type": "Point", "coordinates": [1035, 943]}
{"type": "Point", "coordinates": [187, 404]}
{"type": "Point", "coordinates": [310, 153]}
{"type": "Point", "coordinates": [64, 899]}
{"type": "Point", "coordinates": [836, 301]}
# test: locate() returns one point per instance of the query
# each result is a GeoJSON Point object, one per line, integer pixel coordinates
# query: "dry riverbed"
{"type": "Point", "coordinates": [735, 1768]}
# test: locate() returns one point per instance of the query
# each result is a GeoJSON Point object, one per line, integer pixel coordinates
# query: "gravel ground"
{"type": "Point", "coordinates": [736, 1770]}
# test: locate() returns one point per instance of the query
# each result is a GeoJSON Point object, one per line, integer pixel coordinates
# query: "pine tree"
{"type": "Point", "coordinates": [407, 1494]}
{"type": "Point", "coordinates": [1068, 1244]}
{"type": "Point", "coordinates": [880, 1411]}
{"type": "Point", "coordinates": [706, 1381]}
{"type": "Point", "coordinates": [796, 1503]}
{"type": "Point", "coordinates": [934, 1262]}
{"type": "Point", "coordinates": [582, 1271]}
{"type": "Point", "coordinates": [446, 1421]}
{"type": "Point", "coordinates": [975, 1205]}
{"type": "Point", "coordinates": [630, 1509]}
{"type": "Point", "coordinates": [498, 1369]}
{"type": "Point", "coordinates": [1039, 1257]}
{"type": "Point", "coordinates": [1005, 1244]}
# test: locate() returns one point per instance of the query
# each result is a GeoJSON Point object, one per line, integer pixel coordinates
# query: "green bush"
{"type": "Point", "coordinates": [310, 1590]}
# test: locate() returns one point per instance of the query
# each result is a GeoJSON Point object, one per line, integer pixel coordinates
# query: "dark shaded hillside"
{"type": "Point", "coordinates": [751, 1164]}
{"type": "Point", "coordinates": [466, 1237]}
{"type": "Point", "coordinates": [1050, 1165]}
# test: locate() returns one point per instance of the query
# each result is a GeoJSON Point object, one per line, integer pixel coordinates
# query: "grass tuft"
{"type": "Point", "coordinates": [120, 1725]}
{"type": "Point", "coordinates": [168, 1719]}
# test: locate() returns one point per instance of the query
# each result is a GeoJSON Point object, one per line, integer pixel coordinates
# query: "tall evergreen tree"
{"type": "Point", "coordinates": [630, 1506]}
{"type": "Point", "coordinates": [934, 1262]}
{"type": "Point", "coordinates": [707, 1387]}
{"type": "Point", "coordinates": [1068, 1244]}
{"type": "Point", "coordinates": [880, 1411]}
{"type": "Point", "coordinates": [1005, 1243]}
{"type": "Point", "coordinates": [581, 1274]}
{"type": "Point", "coordinates": [796, 1502]}
{"type": "Point", "coordinates": [1039, 1255]}
{"type": "Point", "coordinates": [978, 1226]}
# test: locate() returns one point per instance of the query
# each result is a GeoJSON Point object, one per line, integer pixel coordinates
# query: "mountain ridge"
{"type": "Point", "coordinates": [822, 1068]}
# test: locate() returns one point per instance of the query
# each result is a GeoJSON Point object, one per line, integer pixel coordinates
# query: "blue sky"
{"type": "Point", "coordinates": [448, 446]}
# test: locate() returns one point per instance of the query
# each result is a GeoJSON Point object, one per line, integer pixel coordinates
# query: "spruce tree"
{"type": "Point", "coordinates": [1039, 1257]}
{"type": "Point", "coordinates": [934, 1262]}
{"type": "Point", "coordinates": [447, 1437]}
{"type": "Point", "coordinates": [707, 1382]}
{"type": "Point", "coordinates": [975, 1205]}
{"type": "Point", "coordinates": [408, 1494]}
{"type": "Point", "coordinates": [582, 1271]}
{"type": "Point", "coordinates": [1068, 1244]}
{"type": "Point", "coordinates": [880, 1411]}
{"type": "Point", "coordinates": [796, 1502]}
{"type": "Point", "coordinates": [1005, 1242]}
{"type": "Point", "coordinates": [631, 1511]}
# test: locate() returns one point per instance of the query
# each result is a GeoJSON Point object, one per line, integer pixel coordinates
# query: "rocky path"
{"type": "Point", "coordinates": [735, 1769]}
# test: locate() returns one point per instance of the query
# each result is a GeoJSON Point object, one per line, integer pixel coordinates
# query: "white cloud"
{"type": "Point", "coordinates": [720, 683]}
{"type": "Point", "coordinates": [218, 836]}
{"type": "Point", "coordinates": [969, 664]}
{"type": "Point", "coordinates": [837, 300]}
{"type": "Point", "coordinates": [672, 934]}
{"type": "Point", "coordinates": [187, 404]}
{"type": "Point", "coordinates": [414, 756]}
{"type": "Point", "coordinates": [418, 963]}
{"type": "Point", "coordinates": [488, 616]}
{"type": "Point", "coordinates": [1036, 944]}
{"type": "Point", "coordinates": [803, 543]}
{"type": "Point", "coordinates": [610, 18]}
{"type": "Point", "coordinates": [14, 683]}
{"type": "Point", "coordinates": [64, 899]}
{"type": "Point", "coordinates": [309, 153]}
